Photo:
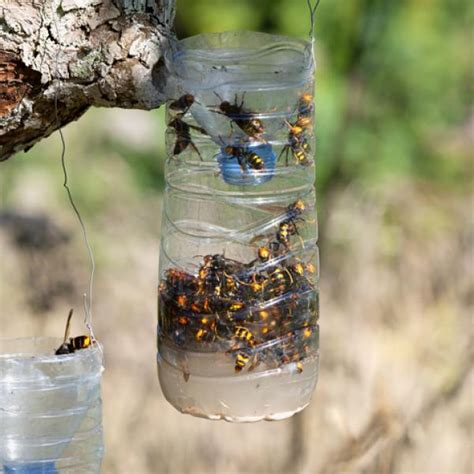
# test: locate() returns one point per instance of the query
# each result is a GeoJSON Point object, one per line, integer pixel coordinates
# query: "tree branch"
{"type": "Point", "coordinates": [89, 52]}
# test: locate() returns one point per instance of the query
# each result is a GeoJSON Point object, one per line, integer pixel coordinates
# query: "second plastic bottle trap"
{"type": "Point", "coordinates": [239, 266]}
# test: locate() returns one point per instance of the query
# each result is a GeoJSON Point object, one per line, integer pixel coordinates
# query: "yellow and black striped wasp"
{"type": "Point", "coordinates": [242, 349]}
{"type": "Point", "coordinates": [246, 158]}
{"type": "Point", "coordinates": [297, 143]}
{"type": "Point", "coordinates": [288, 226]}
{"type": "Point", "coordinates": [72, 344]}
{"type": "Point", "coordinates": [281, 281]}
{"type": "Point", "coordinates": [242, 117]}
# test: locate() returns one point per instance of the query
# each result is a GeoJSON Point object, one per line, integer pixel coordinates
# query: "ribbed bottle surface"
{"type": "Point", "coordinates": [239, 264]}
{"type": "Point", "coordinates": [50, 408]}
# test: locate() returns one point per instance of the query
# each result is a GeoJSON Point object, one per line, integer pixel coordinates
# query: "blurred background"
{"type": "Point", "coordinates": [395, 130]}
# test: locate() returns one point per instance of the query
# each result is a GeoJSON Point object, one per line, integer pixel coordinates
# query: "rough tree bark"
{"type": "Point", "coordinates": [87, 52]}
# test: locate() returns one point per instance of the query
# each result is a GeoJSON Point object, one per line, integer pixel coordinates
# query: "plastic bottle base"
{"type": "Point", "coordinates": [239, 419]}
{"type": "Point", "coordinates": [270, 395]}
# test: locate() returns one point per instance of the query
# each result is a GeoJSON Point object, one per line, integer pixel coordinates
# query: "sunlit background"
{"type": "Point", "coordinates": [395, 130]}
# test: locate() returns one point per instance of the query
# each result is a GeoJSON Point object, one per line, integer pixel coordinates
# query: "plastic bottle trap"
{"type": "Point", "coordinates": [50, 408]}
{"type": "Point", "coordinates": [238, 292]}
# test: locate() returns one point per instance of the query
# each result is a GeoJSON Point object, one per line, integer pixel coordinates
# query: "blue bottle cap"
{"type": "Point", "coordinates": [31, 468]}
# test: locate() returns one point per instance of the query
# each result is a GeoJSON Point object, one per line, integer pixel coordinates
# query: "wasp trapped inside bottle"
{"type": "Point", "coordinates": [239, 267]}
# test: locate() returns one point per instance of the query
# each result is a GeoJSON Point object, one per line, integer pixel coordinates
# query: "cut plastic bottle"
{"type": "Point", "coordinates": [238, 332]}
{"type": "Point", "coordinates": [50, 408]}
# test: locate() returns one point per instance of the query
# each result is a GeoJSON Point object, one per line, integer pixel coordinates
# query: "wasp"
{"type": "Point", "coordinates": [264, 254]}
{"type": "Point", "coordinates": [182, 104]}
{"type": "Point", "coordinates": [200, 304]}
{"type": "Point", "coordinates": [300, 150]}
{"type": "Point", "coordinates": [288, 226]}
{"type": "Point", "coordinates": [211, 274]}
{"type": "Point", "coordinates": [243, 118]}
{"type": "Point", "coordinates": [300, 350]}
{"type": "Point", "coordinates": [246, 158]}
{"type": "Point", "coordinates": [244, 335]}
{"type": "Point", "coordinates": [268, 319]}
{"type": "Point", "coordinates": [183, 136]}
{"type": "Point", "coordinates": [301, 125]}
{"type": "Point", "coordinates": [258, 283]}
{"type": "Point", "coordinates": [241, 360]}
{"type": "Point", "coordinates": [181, 301]}
{"type": "Point", "coordinates": [298, 129]}
{"type": "Point", "coordinates": [285, 231]}
{"type": "Point", "coordinates": [289, 350]}
{"type": "Point", "coordinates": [297, 143]}
{"type": "Point", "coordinates": [244, 359]}
{"type": "Point", "coordinates": [231, 284]}
{"type": "Point", "coordinates": [175, 276]}
{"type": "Point", "coordinates": [305, 105]}
{"type": "Point", "coordinates": [281, 281]}
{"type": "Point", "coordinates": [255, 282]}
{"type": "Point", "coordinates": [302, 269]}
{"type": "Point", "coordinates": [72, 344]}
{"type": "Point", "coordinates": [294, 211]}
{"type": "Point", "coordinates": [236, 306]}
{"type": "Point", "coordinates": [206, 329]}
{"type": "Point", "coordinates": [205, 335]}
{"type": "Point", "coordinates": [242, 354]}
{"type": "Point", "coordinates": [183, 320]}
{"type": "Point", "coordinates": [307, 332]}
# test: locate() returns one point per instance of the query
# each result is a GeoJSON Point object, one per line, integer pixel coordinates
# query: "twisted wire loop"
{"type": "Point", "coordinates": [239, 260]}
{"type": "Point", "coordinates": [312, 11]}
{"type": "Point", "coordinates": [51, 408]}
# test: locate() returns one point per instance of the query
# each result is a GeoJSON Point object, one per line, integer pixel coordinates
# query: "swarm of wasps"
{"type": "Point", "coordinates": [297, 145]}
{"type": "Point", "coordinates": [264, 311]}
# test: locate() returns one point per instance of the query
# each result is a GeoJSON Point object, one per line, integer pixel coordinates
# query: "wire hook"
{"type": "Point", "coordinates": [88, 294]}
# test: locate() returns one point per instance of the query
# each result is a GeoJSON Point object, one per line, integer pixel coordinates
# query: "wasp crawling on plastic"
{"type": "Point", "coordinates": [73, 344]}
{"type": "Point", "coordinates": [293, 211]}
{"type": "Point", "coordinates": [182, 104]}
{"type": "Point", "coordinates": [246, 158]}
{"type": "Point", "coordinates": [183, 129]}
{"type": "Point", "coordinates": [300, 150]}
{"type": "Point", "coordinates": [305, 105]}
{"type": "Point", "coordinates": [242, 117]}
{"type": "Point", "coordinates": [183, 136]}
{"type": "Point", "coordinates": [281, 281]}
{"type": "Point", "coordinates": [211, 275]}
{"type": "Point", "coordinates": [288, 226]}
{"type": "Point", "coordinates": [297, 142]}
{"type": "Point", "coordinates": [241, 349]}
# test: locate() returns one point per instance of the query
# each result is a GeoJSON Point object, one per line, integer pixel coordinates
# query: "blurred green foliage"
{"type": "Point", "coordinates": [393, 95]}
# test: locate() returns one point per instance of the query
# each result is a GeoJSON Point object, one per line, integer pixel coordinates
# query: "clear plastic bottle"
{"type": "Point", "coordinates": [238, 293]}
{"type": "Point", "coordinates": [50, 408]}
